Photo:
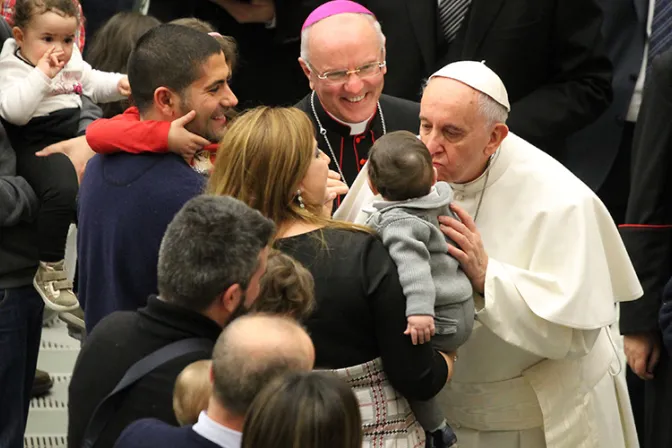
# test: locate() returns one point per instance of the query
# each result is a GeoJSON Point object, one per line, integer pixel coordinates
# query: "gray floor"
{"type": "Point", "coordinates": [48, 417]}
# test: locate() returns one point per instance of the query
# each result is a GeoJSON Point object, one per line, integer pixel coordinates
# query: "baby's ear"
{"type": "Point", "coordinates": [436, 175]}
{"type": "Point", "coordinates": [18, 34]}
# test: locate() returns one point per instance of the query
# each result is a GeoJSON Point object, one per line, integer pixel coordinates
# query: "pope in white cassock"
{"type": "Point", "coordinates": [548, 268]}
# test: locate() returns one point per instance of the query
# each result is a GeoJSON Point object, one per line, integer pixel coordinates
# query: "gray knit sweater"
{"type": "Point", "coordinates": [410, 230]}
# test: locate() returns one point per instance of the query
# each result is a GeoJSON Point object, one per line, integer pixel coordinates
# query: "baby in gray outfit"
{"type": "Point", "coordinates": [439, 301]}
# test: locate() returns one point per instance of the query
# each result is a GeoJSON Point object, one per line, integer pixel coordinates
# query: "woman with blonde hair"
{"type": "Point", "coordinates": [304, 409]}
{"type": "Point", "coordinates": [269, 159]}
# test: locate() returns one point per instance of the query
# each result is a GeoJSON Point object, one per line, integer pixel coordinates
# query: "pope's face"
{"type": "Point", "coordinates": [454, 130]}
{"type": "Point", "coordinates": [345, 43]}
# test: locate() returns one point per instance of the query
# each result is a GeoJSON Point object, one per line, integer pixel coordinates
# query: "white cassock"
{"type": "Point", "coordinates": [539, 369]}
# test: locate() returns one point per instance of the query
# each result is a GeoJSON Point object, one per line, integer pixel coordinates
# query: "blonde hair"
{"type": "Point", "coordinates": [286, 288]}
{"type": "Point", "coordinates": [262, 159]}
{"type": "Point", "coordinates": [192, 392]}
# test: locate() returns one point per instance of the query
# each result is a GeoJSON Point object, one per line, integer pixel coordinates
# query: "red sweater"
{"type": "Point", "coordinates": [127, 133]}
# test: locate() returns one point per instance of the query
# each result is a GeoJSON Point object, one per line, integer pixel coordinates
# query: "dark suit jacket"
{"type": "Point", "coordinates": [647, 233]}
{"type": "Point", "coordinates": [648, 238]}
{"type": "Point", "coordinates": [591, 152]}
{"type": "Point", "coordinates": [547, 52]}
{"type": "Point", "coordinates": [152, 433]}
{"type": "Point", "coordinates": [666, 318]}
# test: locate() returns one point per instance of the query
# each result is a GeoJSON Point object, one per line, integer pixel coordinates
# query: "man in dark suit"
{"type": "Point", "coordinates": [647, 235]}
{"type": "Point", "coordinates": [600, 154]}
{"type": "Point", "coordinates": [547, 52]}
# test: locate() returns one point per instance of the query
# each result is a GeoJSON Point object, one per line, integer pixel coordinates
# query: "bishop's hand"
{"type": "Point", "coordinates": [469, 251]}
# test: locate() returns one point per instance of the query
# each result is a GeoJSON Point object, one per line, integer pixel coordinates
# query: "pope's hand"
{"type": "Point", "coordinates": [77, 149]}
{"type": "Point", "coordinates": [642, 351]}
{"type": "Point", "coordinates": [420, 328]}
{"type": "Point", "coordinates": [469, 251]}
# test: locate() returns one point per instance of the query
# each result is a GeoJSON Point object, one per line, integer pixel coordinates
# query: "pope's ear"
{"type": "Point", "coordinates": [497, 136]}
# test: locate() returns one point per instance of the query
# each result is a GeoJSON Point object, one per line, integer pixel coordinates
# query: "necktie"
{"type": "Point", "coordinates": [661, 29]}
{"type": "Point", "coordinates": [451, 15]}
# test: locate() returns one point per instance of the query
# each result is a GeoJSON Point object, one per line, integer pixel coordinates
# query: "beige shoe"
{"type": "Point", "coordinates": [51, 282]}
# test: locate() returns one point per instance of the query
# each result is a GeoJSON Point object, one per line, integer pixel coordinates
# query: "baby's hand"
{"type": "Point", "coordinates": [50, 64]}
{"type": "Point", "coordinates": [124, 87]}
{"type": "Point", "coordinates": [183, 142]}
{"type": "Point", "coordinates": [421, 328]}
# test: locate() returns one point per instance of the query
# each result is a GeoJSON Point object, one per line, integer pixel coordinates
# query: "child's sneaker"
{"type": "Point", "coordinates": [51, 282]}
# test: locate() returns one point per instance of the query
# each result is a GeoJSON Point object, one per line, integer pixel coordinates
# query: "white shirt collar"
{"type": "Point", "coordinates": [216, 433]}
{"type": "Point", "coordinates": [355, 128]}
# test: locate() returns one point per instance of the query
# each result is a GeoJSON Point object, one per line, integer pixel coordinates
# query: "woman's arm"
{"type": "Point", "coordinates": [417, 371]}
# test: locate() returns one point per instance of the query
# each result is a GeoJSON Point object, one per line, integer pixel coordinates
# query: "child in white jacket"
{"type": "Point", "coordinates": [42, 78]}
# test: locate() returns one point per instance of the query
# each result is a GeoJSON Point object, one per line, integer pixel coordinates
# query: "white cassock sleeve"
{"type": "Point", "coordinates": [577, 270]}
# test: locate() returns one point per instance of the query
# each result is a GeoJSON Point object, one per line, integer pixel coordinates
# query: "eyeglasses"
{"type": "Point", "coordinates": [365, 71]}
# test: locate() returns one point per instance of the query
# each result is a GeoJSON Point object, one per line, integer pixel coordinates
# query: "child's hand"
{"type": "Point", "coordinates": [124, 87]}
{"type": "Point", "coordinates": [183, 142]}
{"type": "Point", "coordinates": [50, 64]}
{"type": "Point", "coordinates": [421, 328]}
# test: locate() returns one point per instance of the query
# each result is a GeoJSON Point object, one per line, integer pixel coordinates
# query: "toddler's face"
{"type": "Point", "coordinates": [43, 32]}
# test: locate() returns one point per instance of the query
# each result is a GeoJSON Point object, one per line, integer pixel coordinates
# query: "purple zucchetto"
{"type": "Point", "coordinates": [334, 8]}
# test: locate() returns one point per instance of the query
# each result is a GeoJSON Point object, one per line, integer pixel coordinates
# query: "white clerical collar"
{"type": "Point", "coordinates": [216, 433]}
{"type": "Point", "coordinates": [355, 128]}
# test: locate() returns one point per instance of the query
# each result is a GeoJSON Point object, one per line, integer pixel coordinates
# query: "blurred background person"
{"type": "Point", "coordinates": [304, 409]}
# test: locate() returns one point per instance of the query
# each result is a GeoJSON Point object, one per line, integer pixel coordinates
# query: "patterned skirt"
{"type": "Point", "coordinates": [387, 419]}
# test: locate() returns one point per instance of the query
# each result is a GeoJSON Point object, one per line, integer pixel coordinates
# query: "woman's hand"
{"type": "Point", "coordinates": [335, 188]}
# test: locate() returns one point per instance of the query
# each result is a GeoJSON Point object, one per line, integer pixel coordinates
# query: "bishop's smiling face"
{"type": "Point", "coordinates": [345, 42]}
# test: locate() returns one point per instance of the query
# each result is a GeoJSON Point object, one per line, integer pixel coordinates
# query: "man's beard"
{"type": "Point", "coordinates": [207, 132]}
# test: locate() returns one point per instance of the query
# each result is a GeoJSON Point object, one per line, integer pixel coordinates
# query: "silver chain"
{"type": "Point", "coordinates": [323, 132]}
{"type": "Point", "coordinates": [480, 199]}
{"type": "Point", "coordinates": [485, 185]}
